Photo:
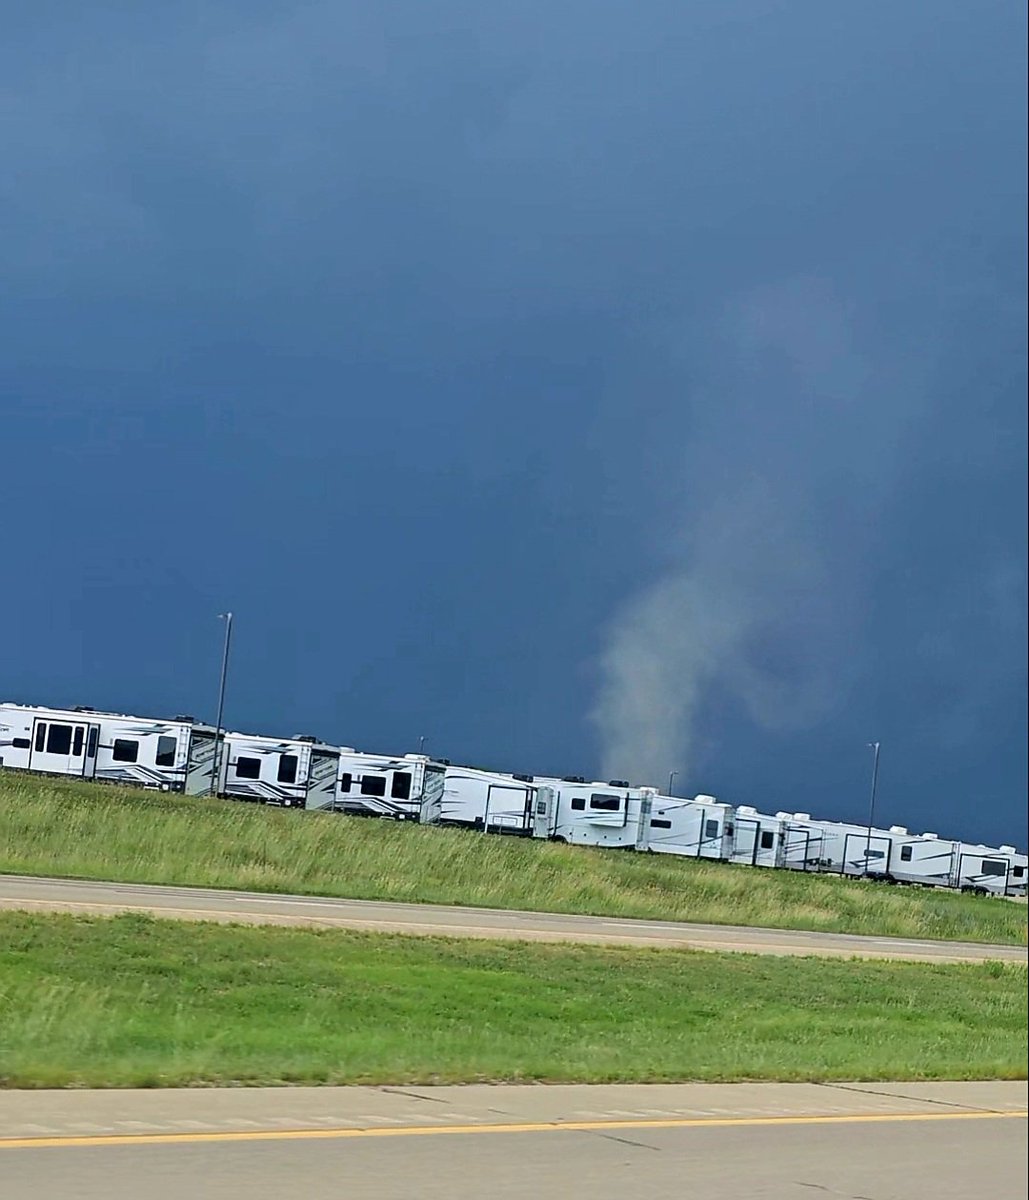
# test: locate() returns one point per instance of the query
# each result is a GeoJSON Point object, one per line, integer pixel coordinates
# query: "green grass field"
{"type": "Point", "coordinates": [134, 1001]}
{"type": "Point", "coordinates": [91, 831]}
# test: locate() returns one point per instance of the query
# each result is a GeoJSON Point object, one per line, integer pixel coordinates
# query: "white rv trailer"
{"type": "Point", "coordinates": [487, 800]}
{"type": "Point", "coordinates": [1000, 871]}
{"type": "Point", "coordinates": [408, 788]}
{"type": "Point", "coordinates": [589, 814]}
{"type": "Point", "coordinates": [699, 828]}
{"type": "Point", "coordinates": [833, 847]}
{"type": "Point", "coordinates": [297, 772]}
{"type": "Point", "coordinates": [175, 755]}
{"type": "Point", "coordinates": [758, 839]}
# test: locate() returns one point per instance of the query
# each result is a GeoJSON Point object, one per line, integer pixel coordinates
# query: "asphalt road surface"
{"type": "Point", "coordinates": [944, 1141]}
{"type": "Point", "coordinates": [203, 904]}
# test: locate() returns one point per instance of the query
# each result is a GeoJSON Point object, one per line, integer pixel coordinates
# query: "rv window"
{"type": "Point", "coordinates": [248, 768]}
{"type": "Point", "coordinates": [767, 839]}
{"type": "Point", "coordinates": [166, 747]}
{"type": "Point", "coordinates": [992, 866]}
{"type": "Point", "coordinates": [76, 746]}
{"type": "Point", "coordinates": [1018, 872]}
{"type": "Point", "coordinates": [710, 829]}
{"type": "Point", "coordinates": [400, 789]}
{"type": "Point", "coordinates": [288, 768]}
{"type": "Point", "coordinates": [605, 803]}
{"type": "Point", "coordinates": [345, 780]}
{"type": "Point", "coordinates": [876, 854]}
{"type": "Point", "coordinates": [59, 739]}
{"type": "Point", "coordinates": [373, 785]}
{"type": "Point", "coordinates": [578, 803]}
{"type": "Point", "coordinates": [21, 743]}
{"type": "Point", "coordinates": [125, 750]}
{"type": "Point", "coordinates": [656, 823]}
{"type": "Point", "coordinates": [905, 854]}
{"type": "Point", "coordinates": [91, 741]}
{"type": "Point", "coordinates": [541, 811]}
{"type": "Point", "coordinates": [40, 736]}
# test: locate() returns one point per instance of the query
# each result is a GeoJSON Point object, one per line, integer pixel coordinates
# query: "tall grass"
{"type": "Point", "coordinates": [137, 1002]}
{"type": "Point", "coordinates": [89, 831]}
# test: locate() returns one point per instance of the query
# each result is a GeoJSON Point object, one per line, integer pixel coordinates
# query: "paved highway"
{"type": "Point", "coordinates": [204, 904]}
{"type": "Point", "coordinates": [942, 1141]}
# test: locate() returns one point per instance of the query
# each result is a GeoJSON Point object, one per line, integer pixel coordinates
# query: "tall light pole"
{"type": "Point", "coordinates": [874, 747]}
{"type": "Point", "coordinates": [671, 780]}
{"type": "Point", "coordinates": [216, 759]}
{"type": "Point", "coordinates": [421, 744]}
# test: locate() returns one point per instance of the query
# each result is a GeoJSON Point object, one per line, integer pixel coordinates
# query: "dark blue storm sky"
{"type": "Point", "coordinates": [586, 387]}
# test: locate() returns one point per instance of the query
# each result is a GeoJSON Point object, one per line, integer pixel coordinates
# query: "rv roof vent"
{"type": "Point", "coordinates": [83, 708]}
{"type": "Point", "coordinates": [304, 737]}
{"type": "Point", "coordinates": [183, 717]}
{"type": "Point", "coordinates": [1008, 850]}
{"type": "Point", "coordinates": [784, 816]}
{"type": "Point", "coordinates": [802, 816]}
{"type": "Point", "coordinates": [897, 829]}
{"type": "Point", "coordinates": [705, 799]}
{"type": "Point", "coordinates": [618, 783]}
{"type": "Point", "coordinates": [932, 837]}
{"type": "Point", "coordinates": [746, 810]}
{"type": "Point", "coordinates": [572, 779]}
{"type": "Point", "coordinates": [523, 778]}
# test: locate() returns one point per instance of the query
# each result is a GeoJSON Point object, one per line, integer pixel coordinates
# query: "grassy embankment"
{"type": "Point", "coordinates": [91, 831]}
{"type": "Point", "coordinates": [134, 1001]}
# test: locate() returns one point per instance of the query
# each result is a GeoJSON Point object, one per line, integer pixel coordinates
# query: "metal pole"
{"type": "Point", "coordinates": [216, 757]}
{"type": "Point", "coordinates": [874, 746]}
{"type": "Point", "coordinates": [670, 781]}
{"type": "Point", "coordinates": [421, 744]}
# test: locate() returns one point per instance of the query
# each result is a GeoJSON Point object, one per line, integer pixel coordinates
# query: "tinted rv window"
{"type": "Point", "coordinates": [40, 735]}
{"type": "Point", "coordinates": [125, 750]}
{"type": "Point", "coordinates": [991, 866]}
{"type": "Point", "coordinates": [876, 854]}
{"type": "Point", "coordinates": [767, 839]}
{"type": "Point", "coordinates": [657, 823]}
{"type": "Point", "coordinates": [59, 739]}
{"type": "Point", "coordinates": [373, 785]}
{"type": "Point", "coordinates": [579, 803]}
{"type": "Point", "coordinates": [905, 854]}
{"type": "Point", "coordinates": [20, 743]}
{"type": "Point", "coordinates": [1018, 872]}
{"type": "Point", "coordinates": [710, 829]}
{"type": "Point", "coordinates": [76, 746]}
{"type": "Point", "coordinates": [166, 747]}
{"type": "Point", "coordinates": [248, 768]}
{"type": "Point", "coordinates": [91, 741]}
{"type": "Point", "coordinates": [605, 803]}
{"type": "Point", "coordinates": [400, 789]}
{"type": "Point", "coordinates": [345, 780]}
{"type": "Point", "coordinates": [288, 768]}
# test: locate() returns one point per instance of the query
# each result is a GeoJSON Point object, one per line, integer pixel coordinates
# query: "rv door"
{"type": "Point", "coordinates": [64, 747]}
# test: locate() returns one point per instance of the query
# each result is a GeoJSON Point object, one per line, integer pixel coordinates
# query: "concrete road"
{"type": "Point", "coordinates": [727, 1141]}
{"type": "Point", "coordinates": [205, 904]}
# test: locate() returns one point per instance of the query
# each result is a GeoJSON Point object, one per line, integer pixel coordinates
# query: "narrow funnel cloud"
{"type": "Point", "coordinates": [787, 454]}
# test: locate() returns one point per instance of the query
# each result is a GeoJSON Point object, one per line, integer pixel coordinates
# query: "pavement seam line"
{"type": "Point", "coordinates": [261, 1135]}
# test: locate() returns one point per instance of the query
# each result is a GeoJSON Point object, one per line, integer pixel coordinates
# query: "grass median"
{"type": "Point", "coordinates": [91, 831]}
{"type": "Point", "coordinates": [133, 1001]}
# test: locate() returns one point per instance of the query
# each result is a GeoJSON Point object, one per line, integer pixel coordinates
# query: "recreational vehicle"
{"type": "Point", "coordinates": [408, 788]}
{"type": "Point", "coordinates": [175, 754]}
{"type": "Point", "coordinates": [487, 800]}
{"type": "Point", "coordinates": [297, 772]}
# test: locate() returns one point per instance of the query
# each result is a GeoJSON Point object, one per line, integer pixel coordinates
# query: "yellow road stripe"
{"type": "Point", "coordinates": [269, 1135]}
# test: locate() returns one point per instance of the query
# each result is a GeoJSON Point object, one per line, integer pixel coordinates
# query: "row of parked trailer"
{"type": "Point", "coordinates": [188, 756]}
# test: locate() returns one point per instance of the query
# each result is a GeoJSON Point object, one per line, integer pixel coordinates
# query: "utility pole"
{"type": "Point", "coordinates": [671, 780]}
{"type": "Point", "coordinates": [216, 758]}
{"type": "Point", "coordinates": [874, 747]}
